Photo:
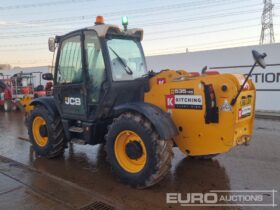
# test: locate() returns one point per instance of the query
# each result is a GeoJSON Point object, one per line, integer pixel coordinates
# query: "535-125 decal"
{"type": "Point", "coordinates": [183, 98]}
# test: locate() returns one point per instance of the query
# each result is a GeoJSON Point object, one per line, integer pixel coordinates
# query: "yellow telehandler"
{"type": "Point", "coordinates": [103, 93]}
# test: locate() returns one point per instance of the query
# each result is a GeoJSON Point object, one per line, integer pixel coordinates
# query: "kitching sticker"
{"type": "Point", "coordinates": [244, 112]}
{"type": "Point", "coordinates": [183, 99]}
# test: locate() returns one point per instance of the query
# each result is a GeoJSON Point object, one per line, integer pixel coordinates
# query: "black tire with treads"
{"type": "Point", "coordinates": [56, 137]}
{"type": "Point", "coordinates": [159, 152]}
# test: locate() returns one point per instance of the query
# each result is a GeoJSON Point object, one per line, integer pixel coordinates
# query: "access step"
{"type": "Point", "coordinates": [76, 129]}
{"type": "Point", "coordinates": [78, 141]}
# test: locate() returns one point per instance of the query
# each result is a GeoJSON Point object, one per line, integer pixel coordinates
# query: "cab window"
{"type": "Point", "coordinates": [70, 61]}
{"type": "Point", "coordinates": [127, 59]}
{"type": "Point", "coordinates": [95, 64]}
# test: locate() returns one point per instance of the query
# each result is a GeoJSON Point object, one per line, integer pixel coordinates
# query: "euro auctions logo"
{"type": "Point", "coordinates": [263, 198]}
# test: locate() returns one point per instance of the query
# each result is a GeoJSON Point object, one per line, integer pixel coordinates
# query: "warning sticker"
{"type": "Point", "coordinates": [161, 81]}
{"type": "Point", "coordinates": [184, 101]}
{"type": "Point", "coordinates": [244, 112]}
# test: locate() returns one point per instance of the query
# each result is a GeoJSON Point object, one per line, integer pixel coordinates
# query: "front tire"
{"type": "Point", "coordinates": [136, 152]}
{"type": "Point", "coordinates": [46, 133]}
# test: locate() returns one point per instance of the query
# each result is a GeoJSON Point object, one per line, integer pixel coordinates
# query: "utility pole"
{"type": "Point", "coordinates": [267, 33]}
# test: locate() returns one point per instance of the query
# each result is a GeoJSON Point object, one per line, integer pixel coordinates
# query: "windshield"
{"type": "Point", "coordinates": [127, 59]}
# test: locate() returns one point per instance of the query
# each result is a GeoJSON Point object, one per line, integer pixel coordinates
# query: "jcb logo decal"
{"type": "Point", "coordinates": [72, 101]}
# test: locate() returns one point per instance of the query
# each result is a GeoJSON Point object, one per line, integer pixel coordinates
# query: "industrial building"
{"type": "Point", "coordinates": [232, 60]}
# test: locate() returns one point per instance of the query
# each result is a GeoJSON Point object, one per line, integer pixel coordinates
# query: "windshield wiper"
{"type": "Point", "coordinates": [126, 67]}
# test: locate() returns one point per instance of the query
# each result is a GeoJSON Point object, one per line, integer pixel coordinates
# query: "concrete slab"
{"type": "Point", "coordinates": [83, 175]}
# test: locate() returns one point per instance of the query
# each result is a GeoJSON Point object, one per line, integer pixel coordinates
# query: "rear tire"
{"type": "Point", "coordinates": [144, 159]}
{"type": "Point", "coordinates": [46, 133]}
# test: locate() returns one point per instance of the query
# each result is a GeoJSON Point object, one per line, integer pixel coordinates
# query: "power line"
{"type": "Point", "coordinates": [212, 47]}
{"type": "Point", "coordinates": [207, 17]}
{"type": "Point", "coordinates": [216, 47]}
{"type": "Point", "coordinates": [161, 22]}
{"type": "Point", "coordinates": [42, 4]}
{"type": "Point", "coordinates": [209, 43]}
{"type": "Point", "coordinates": [160, 38]}
{"type": "Point", "coordinates": [202, 33]}
{"type": "Point", "coordinates": [154, 32]}
{"type": "Point", "coordinates": [25, 49]}
{"type": "Point", "coordinates": [22, 45]}
{"type": "Point", "coordinates": [151, 11]}
{"type": "Point", "coordinates": [214, 16]}
{"type": "Point", "coordinates": [142, 11]}
{"type": "Point", "coordinates": [45, 4]}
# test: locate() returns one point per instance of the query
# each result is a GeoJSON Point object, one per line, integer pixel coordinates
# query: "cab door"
{"type": "Point", "coordinates": [70, 88]}
{"type": "Point", "coordinates": [95, 67]}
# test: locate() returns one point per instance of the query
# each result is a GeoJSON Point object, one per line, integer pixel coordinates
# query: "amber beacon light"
{"type": "Point", "coordinates": [99, 20]}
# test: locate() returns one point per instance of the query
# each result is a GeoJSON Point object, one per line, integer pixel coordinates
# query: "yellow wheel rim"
{"type": "Point", "coordinates": [38, 122]}
{"type": "Point", "coordinates": [128, 164]}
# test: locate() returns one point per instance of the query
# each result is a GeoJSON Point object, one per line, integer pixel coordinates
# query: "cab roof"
{"type": "Point", "coordinates": [103, 29]}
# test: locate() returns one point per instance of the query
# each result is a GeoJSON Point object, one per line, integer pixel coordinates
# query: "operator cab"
{"type": "Point", "coordinates": [98, 68]}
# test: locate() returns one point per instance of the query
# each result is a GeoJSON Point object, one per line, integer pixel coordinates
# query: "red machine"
{"type": "Point", "coordinates": [14, 89]}
{"type": "Point", "coordinates": [6, 98]}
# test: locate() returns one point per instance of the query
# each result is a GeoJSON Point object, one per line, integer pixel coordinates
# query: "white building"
{"type": "Point", "coordinates": [232, 60]}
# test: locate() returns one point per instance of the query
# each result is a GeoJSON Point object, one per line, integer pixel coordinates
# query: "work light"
{"type": "Point", "coordinates": [125, 22]}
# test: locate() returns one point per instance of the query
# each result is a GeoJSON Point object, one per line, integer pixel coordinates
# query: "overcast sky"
{"type": "Point", "coordinates": [169, 26]}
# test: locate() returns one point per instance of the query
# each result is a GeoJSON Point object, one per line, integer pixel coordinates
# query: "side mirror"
{"type": "Point", "coordinates": [259, 58]}
{"type": "Point", "coordinates": [47, 76]}
{"type": "Point", "coordinates": [51, 43]}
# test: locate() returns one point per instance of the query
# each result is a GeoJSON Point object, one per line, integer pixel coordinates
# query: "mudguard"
{"type": "Point", "coordinates": [162, 121]}
{"type": "Point", "coordinates": [48, 102]}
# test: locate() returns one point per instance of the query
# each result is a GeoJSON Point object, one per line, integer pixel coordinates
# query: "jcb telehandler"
{"type": "Point", "coordinates": [103, 93]}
